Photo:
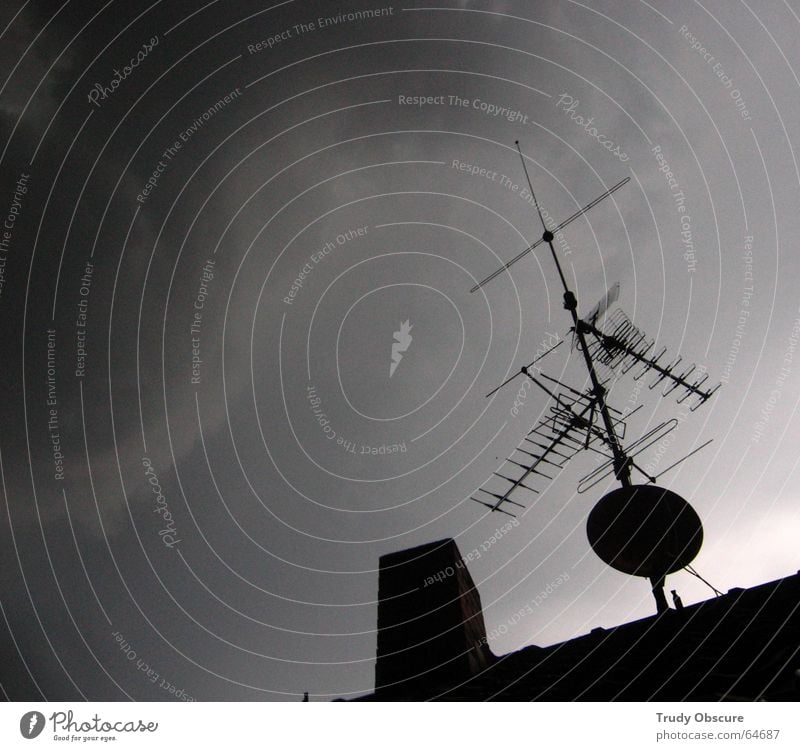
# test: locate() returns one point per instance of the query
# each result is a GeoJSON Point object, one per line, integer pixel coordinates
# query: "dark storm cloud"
{"type": "Point", "coordinates": [271, 586]}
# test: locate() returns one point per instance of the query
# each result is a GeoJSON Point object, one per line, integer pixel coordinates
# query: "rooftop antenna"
{"type": "Point", "coordinates": [639, 529]}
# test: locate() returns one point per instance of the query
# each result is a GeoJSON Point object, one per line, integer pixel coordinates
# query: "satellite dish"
{"type": "Point", "coordinates": [644, 530]}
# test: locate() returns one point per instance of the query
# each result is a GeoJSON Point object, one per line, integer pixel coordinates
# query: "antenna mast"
{"type": "Point", "coordinates": [622, 468]}
{"type": "Point", "coordinates": [643, 530]}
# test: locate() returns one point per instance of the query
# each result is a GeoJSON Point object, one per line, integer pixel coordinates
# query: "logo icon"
{"type": "Point", "coordinates": [31, 724]}
{"type": "Point", "coordinates": [402, 341]}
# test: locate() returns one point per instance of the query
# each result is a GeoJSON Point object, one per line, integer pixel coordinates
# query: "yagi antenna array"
{"type": "Point", "coordinates": [621, 345]}
{"type": "Point", "coordinates": [568, 427]}
{"type": "Point", "coordinates": [625, 525]}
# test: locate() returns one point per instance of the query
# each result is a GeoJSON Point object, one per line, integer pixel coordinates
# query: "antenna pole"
{"type": "Point", "coordinates": [658, 584]}
{"type": "Point", "coordinates": [622, 468]}
{"type": "Point", "coordinates": [622, 464]}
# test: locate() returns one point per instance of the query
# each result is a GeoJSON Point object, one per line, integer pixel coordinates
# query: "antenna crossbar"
{"type": "Point", "coordinates": [553, 231]}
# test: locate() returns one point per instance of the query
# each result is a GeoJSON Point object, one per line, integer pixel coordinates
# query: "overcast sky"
{"type": "Point", "coordinates": [222, 212]}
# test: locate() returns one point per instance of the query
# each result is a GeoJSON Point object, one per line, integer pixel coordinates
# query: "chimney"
{"type": "Point", "coordinates": [431, 633]}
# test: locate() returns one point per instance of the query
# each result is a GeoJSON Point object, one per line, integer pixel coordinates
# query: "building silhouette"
{"type": "Point", "coordinates": [743, 645]}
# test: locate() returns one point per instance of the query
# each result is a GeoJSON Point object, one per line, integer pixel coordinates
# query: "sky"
{"type": "Point", "coordinates": [241, 355]}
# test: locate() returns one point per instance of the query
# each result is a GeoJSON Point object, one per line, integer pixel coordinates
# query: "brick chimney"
{"type": "Point", "coordinates": [431, 633]}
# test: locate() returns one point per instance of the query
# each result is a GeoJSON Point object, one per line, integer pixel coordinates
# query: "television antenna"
{"type": "Point", "coordinates": [639, 528]}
